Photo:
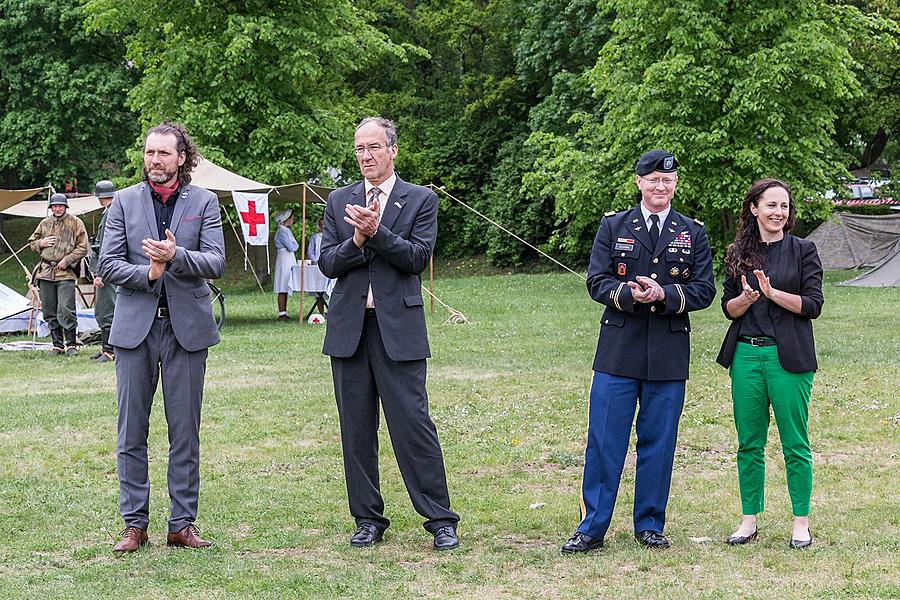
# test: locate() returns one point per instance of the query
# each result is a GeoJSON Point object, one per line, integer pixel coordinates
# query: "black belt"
{"type": "Point", "coordinates": [758, 341]}
{"type": "Point", "coordinates": [370, 313]}
{"type": "Point", "coordinates": [162, 312]}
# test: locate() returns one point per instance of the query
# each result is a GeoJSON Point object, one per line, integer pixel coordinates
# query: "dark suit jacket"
{"type": "Point", "coordinates": [392, 260]}
{"type": "Point", "coordinates": [200, 255]}
{"type": "Point", "coordinates": [648, 341]}
{"type": "Point", "coordinates": [797, 271]}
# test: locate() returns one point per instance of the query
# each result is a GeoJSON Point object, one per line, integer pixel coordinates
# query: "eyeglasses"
{"type": "Point", "coordinates": [373, 149]}
{"type": "Point", "coordinates": [666, 181]}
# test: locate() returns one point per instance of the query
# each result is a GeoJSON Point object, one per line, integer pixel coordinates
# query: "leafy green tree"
{"type": "Point", "coordinates": [263, 86]}
{"type": "Point", "coordinates": [869, 126]}
{"type": "Point", "coordinates": [62, 96]}
{"type": "Point", "coordinates": [737, 90]}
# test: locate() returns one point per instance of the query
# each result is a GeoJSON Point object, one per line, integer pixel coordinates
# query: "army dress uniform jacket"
{"type": "Point", "coordinates": [72, 244]}
{"type": "Point", "coordinates": [648, 341]}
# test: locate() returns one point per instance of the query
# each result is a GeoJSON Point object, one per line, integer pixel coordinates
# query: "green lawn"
{"type": "Point", "coordinates": [509, 396]}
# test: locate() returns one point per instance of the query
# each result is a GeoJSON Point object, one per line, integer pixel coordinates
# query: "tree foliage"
{"type": "Point", "coordinates": [62, 95]}
{"type": "Point", "coordinates": [737, 90]}
{"type": "Point", "coordinates": [263, 86]}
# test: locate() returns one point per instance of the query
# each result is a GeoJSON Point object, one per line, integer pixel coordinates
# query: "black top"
{"type": "Point", "coordinates": [797, 271]}
{"type": "Point", "coordinates": [164, 212]}
{"type": "Point", "coordinates": [756, 321]}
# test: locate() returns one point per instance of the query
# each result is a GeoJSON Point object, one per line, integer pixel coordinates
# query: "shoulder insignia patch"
{"type": "Point", "coordinates": [609, 213]}
{"type": "Point", "coordinates": [698, 222]}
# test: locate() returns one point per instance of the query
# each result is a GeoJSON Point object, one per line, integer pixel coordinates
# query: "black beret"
{"type": "Point", "coordinates": [656, 160]}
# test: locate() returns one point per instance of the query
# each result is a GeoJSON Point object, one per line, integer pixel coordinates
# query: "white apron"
{"type": "Point", "coordinates": [287, 279]}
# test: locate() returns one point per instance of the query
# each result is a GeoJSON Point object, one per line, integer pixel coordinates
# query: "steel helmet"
{"type": "Point", "coordinates": [59, 199]}
{"type": "Point", "coordinates": [104, 189]}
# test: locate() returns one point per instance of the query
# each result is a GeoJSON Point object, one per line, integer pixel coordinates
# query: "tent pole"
{"type": "Point", "coordinates": [15, 254]}
{"type": "Point", "coordinates": [302, 250]}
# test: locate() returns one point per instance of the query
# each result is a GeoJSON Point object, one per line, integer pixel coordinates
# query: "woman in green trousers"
{"type": "Point", "coordinates": [772, 292]}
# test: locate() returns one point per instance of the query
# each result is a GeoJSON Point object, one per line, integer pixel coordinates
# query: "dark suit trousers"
{"type": "Point", "coordinates": [137, 373]}
{"type": "Point", "coordinates": [359, 382]}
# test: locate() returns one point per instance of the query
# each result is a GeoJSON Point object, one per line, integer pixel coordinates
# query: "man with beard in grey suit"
{"type": "Point", "coordinates": [163, 240]}
{"type": "Point", "coordinates": [378, 237]}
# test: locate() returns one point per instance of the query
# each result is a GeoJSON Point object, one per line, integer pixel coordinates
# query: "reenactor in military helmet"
{"type": "Point", "coordinates": [104, 294]}
{"type": "Point", "coordinates": [62, 241]}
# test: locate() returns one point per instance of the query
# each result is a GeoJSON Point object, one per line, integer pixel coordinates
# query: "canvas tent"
{"type": "Point", "coordinates": [887, 274]}
{"type": "Point", "coordinates": [12, 197]}
{"type": "Point", "coordinates": [222, 182]}
{"type": "Point", "coordinates": [38, 209]}
{"type": "Point", "coordinates": [850, 241]}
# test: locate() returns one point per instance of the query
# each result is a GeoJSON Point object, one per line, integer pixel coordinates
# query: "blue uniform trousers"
{"type": "Point", "coordinates": [613, 403]}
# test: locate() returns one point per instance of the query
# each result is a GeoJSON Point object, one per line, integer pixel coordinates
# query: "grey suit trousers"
{"type": "Point", "coordinates": [138, 372]}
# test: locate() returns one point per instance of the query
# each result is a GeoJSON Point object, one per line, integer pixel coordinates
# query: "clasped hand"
{"type": "Point", "coordinates": [159, 252]}
{"type": "Point", "coordinates": [646, 290]}
{"type": "Point", "coordinates": [364, 219]}
{"type": "Point", "coordinates": [749, 295]}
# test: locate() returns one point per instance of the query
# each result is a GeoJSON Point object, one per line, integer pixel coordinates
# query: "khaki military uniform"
{"type": "Point", "coordinates": [57, 288]}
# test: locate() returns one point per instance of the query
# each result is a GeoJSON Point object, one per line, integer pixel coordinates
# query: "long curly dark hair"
{"type": "Point", "coordinates": [747, 252]}
{"type": "Point", "coordinates": [183, 143]}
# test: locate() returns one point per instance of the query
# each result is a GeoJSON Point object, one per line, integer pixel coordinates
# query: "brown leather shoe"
{"type": "Point", "coordinates": [132, 539]}
{"type": "Point", "coordinates": [189, 537]}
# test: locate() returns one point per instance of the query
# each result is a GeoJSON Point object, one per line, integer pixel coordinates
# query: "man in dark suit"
{"type": "Point", "coordinates": [378, 237]}
{"type": "Point", "coordinates": [163, 323]}
{"type": "Point", "coordinates": [650, 266]}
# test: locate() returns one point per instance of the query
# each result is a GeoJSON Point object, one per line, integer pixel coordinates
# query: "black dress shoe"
{"type": "Point", "coordinates": [581, 543]}
{"type": "Point", "coordinates": [737, 540]}
{"type": "Point", "coordinates": [366, 534]}
{"type": "Point", "coordinates": [652, 539]}
{"type": "Point", "coordinates": [801, 544]}
{"type": "Point", "coordinates": [445, 538]}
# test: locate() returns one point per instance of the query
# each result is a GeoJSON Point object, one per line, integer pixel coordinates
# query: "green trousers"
{"type": "Point", "coordinates": [757, 381]}
{"type": "Point", "coordinates": [58, 303]}
{"type": "Point", "coordinates": [104, 305]}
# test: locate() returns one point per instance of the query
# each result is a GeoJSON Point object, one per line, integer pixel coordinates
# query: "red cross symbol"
{"type": "Point", "coordinates": [252, 218]}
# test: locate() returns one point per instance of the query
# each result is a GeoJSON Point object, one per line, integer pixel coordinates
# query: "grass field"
{"type": "Point", "coordinates": [509, 396]}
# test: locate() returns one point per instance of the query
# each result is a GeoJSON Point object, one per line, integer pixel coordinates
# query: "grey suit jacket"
{"type": "Point", "coordinates": [200, 255]}
{"type": "Point", "coordinates": [392, 260]}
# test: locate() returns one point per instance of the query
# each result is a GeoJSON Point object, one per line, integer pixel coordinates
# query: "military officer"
{"type": "Point", "coordinates": [104, 294]}
{"type": "Point", "coordinates": [650, 266]}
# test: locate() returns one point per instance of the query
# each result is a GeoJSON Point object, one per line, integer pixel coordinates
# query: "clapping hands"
{"type": "Point", "coordinates": [646, 290]}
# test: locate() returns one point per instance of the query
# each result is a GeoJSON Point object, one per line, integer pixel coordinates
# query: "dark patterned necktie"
{"type": "Point", "coordinates": [374, 194]}
{"type": "Point", "coordinates": [654, 230]}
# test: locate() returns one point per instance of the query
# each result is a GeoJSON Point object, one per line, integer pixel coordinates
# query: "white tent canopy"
{"type": "Point", "coordinates": [39, 209]}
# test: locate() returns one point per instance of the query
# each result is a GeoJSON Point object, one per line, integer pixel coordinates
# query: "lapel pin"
{"type": "Point", "coordinates": [637, 228]}
{"type": "Point", "coordinates": [672, 230]}
{"type": "Point", "coordinates": [398, 205]}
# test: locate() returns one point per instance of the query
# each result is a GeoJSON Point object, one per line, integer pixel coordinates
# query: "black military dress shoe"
{"type": "Point", "coordinates": [581, 543]}
{"type": "Point", "coordinates": [366, 535]}
{"type": "Point", "coordinates": [652, 539]}
{"type": "Point", "coordinates": [738, 540]}
{"type": "Point", "coordinates": [445, 538]}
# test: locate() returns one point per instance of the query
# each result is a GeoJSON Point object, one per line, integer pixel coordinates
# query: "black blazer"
{"type": "Point", "coordinates": [797, 271]}
{"type": "Point", "coordinates": [392, 260]}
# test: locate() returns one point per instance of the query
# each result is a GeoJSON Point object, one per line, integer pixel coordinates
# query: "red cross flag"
{"type": "Point", "coordinates": [253, 212]}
